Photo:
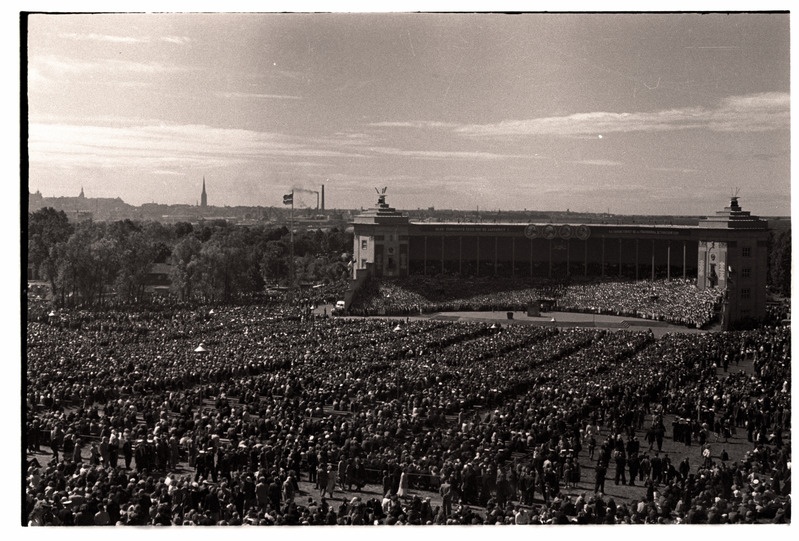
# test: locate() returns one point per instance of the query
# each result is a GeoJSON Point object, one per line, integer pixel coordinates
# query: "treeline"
{"type": "Point", "coordinates": [90, 263]}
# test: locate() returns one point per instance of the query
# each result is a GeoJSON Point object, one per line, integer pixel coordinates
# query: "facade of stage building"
{"type": "Point", "coordinates": [726, 251]}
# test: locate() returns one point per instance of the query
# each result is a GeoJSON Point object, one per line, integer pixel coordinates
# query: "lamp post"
{"type": "Point", "coordinates": [288, 199]}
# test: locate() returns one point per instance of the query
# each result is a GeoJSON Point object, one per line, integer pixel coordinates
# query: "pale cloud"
{"type": "Point", "coordinates": [177, 40]}
{"type": "Point", "coordinates": [682, 170]}
{"type": "Point", "coordinates": [295, 163]}
{"type": "Point", "coordinates": [603, 163]}
{"type": "Point", "coordinates": [567, 189]}
{"type": "Point", "coordinates": [111, 38]}
{"type": "Point", "coordinates": [353, 138]}
{"type": "Point", "coordinates": [418, 124]}
{"type": "Point", "coordinates": [102, 120]}
{"type": "Point", "coordinates": [252, 95]}
{"type": "Point", "coordinates": [102, 38]}
{"type": "Point", "coordinates": [752, 113]}
{"type": "Point", "coordinates": [60, 66]}
{"type": "Point", "coordinates": [161, 147]}
{"type": "Point", "coordinates": [446, 154]}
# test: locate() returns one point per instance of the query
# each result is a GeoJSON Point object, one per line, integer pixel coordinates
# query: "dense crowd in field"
{"type": "Point", "coordinates": [675, 301]}
{"type": "Point", "coordinates": [143, 430]}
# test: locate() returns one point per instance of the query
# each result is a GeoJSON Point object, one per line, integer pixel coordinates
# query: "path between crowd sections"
{"type": "Point", "coordinates": [547, 319]}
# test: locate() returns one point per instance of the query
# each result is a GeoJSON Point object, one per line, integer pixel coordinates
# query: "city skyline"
{"type": "Point", "coordinates": [631, 113]}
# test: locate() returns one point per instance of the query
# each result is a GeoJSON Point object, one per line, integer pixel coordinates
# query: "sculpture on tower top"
{"type": "Point", "coordinates": [734, 200]}
{"type": "Point", "coordinates": [381, 197]}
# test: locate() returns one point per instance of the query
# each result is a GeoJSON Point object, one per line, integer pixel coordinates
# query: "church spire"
{"type": "Point", "coordinates": [203, 196]}
{"type": "Point", "coordinates": [81, 193]}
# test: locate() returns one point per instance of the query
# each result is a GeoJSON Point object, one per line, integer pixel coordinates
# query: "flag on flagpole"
{"type": "Point", "coordinates": [288, 199]}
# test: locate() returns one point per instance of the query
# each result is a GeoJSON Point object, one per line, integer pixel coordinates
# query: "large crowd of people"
{"type": "Point", "coordinates": [675, 301]}
{"type": "Point", "coordinates": [502, 425]}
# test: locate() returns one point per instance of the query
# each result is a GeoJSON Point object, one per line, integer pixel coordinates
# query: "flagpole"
{"type": "Point", "coordinates": [291, 256]}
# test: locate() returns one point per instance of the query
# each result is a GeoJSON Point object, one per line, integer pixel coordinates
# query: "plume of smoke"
{"type": "Point", "coordinates": [300, 201]}
{"type": "Point", "coordinates": [303, 190]}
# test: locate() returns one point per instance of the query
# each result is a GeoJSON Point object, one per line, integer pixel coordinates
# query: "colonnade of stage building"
{"type": "Point", "coordinates": [505, 251]}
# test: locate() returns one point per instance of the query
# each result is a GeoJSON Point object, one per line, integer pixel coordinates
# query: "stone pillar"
{"type": "Point", "coordinates": [603, 257]}
{"type": "Point", "coordinates": [636, 260]}
{"type": "Point", "coordinates": [531, 258]}
{"type": "Point", "coordinates": [683, 260]}
{"type": "Point", "coordinates": [668, 261]}
{"type": "Point", "coordinates": [460, 255]}
{"type": "Point", "coordinates": [653, 260]}
{"type": "Point", "coordinates": [495, 254]}
{"type": "Point", "coordinates": [513, 257]}
{"type": "Point", "coordinates": [442, 254]}
{"type": "Point", "coordinates": [425, 255]}
{"type": "Point", "coordinates": [478, 256]}
{"type": "Point", "coordinates": [585, 260]}
{"type": "Point", "coordinates": [568, 257]}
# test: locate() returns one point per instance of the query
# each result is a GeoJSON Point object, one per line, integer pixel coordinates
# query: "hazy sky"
{"type": "Point", "coordinates": [647, 113]}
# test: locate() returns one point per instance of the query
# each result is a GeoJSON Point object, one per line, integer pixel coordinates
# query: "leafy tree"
{"type": "Point", "coordinates": [278, 233]}
{"type": "Point", "coordinates": [204, 233]}
{"type": "Point", "coordinates": [185, 266]}
{"type": "Point", "coordinates": [122, 229]}
{"type": "Point", "coordinates": [76, 271]}
{"type": "Point", "coordinates": [274, 263]}
{"type": "Point", "coordinates": [104, 253]}
{"type": "Point", "coordinates": [47, 228]}
{"type": "Point", "coordinates": [182, 229]}
{"type": "Point", "coordinates": [162, 251]}
{"type": "Point", "coordinates": [135, 261]}
{"type": "Point", "coordinates": [780, 262]}
{"type": "Point", "coordinates": [224, 263]}
{"type": "Point", "coordinates": [339, 241]}
{"type": "Point", "coordinates": [157, 232]}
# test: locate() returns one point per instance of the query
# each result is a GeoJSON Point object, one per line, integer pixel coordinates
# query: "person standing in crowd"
{"type": "Point", "coordinates": [387, 484]}
{"type": "Point", "coordinates": [600, 471]}
{"type": "Point", "coordinates": [56, 437]}
{"type": "Point", "coordinates": [312, 463]}
{"type": "Point", "coordinates": [342, 474]}
{"type": "Point", "coordinates": [288, 489]}
{"type": "Point", "coordinates": [445, 491]}
{"type": "Point", "coordinates": [127, 451]}
{"type": "Point", "coordinates": [321, 479]}
{"type": "Point", "coordinates": [621, 462]}
{"type": "Point", "coordinates": [331, 480]}
{"type": "Point", "coordinates": [402, 492]}
{"type": "Point", "coordinates": [261, 493]}
{"type": "Point", "coordinates": [274, 491]}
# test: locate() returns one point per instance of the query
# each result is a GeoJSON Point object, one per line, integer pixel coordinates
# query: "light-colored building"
{"type": "Point", "coordinates": [726, 251]}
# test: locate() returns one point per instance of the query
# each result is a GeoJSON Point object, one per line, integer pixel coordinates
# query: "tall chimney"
{"type": "Point", "coordinates": [323, 197]}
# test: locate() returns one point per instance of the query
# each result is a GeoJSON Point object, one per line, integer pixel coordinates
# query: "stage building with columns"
{"type": "Point", "coordinates": [727, 251]}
